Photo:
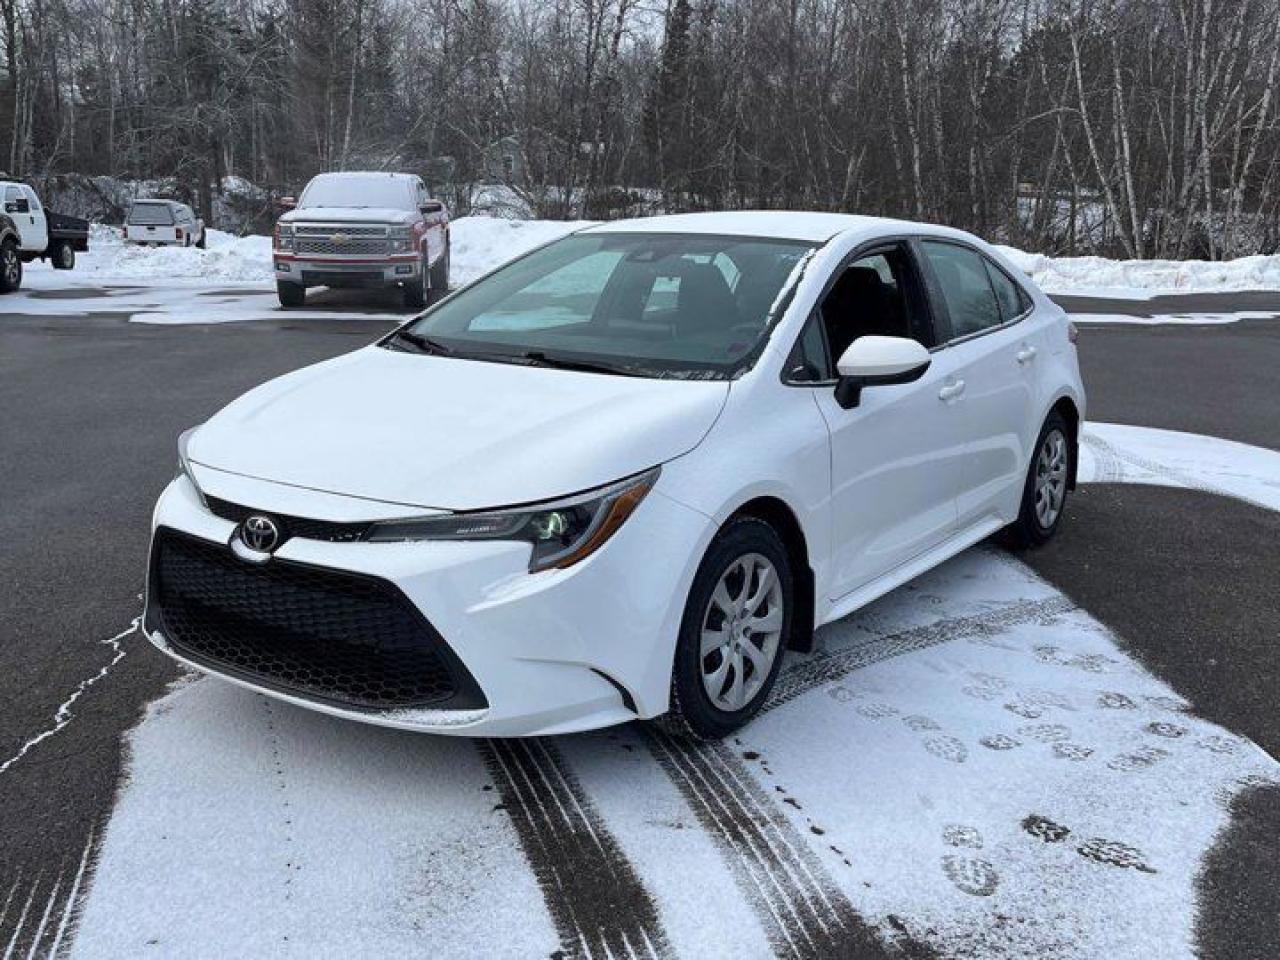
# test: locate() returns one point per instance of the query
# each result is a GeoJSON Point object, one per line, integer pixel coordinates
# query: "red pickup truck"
{"type": "Point", "coordinates": [363, 229]}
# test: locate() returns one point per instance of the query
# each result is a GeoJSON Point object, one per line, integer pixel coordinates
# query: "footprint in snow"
{"type": "Point", "coordinates": [1042, 828]}
{"type": "Point", "coordinates": [971, 875]}
{"type": "Point", "coordinates": [841, 694]}
{"type": "Point", "coordinates": [959, 835]}
{"type": "Point", "coordinates": [1114, 854]}
{"type": "Point", "coordinates": [1072, 751]}
{"type": "Point", "coordinates": [1140, 759]}
{"type": "Point", "coordinates": [876, 711]}
{"type": "Point", "coordinates": [1028, 711]}
{"type": "Point", "coordinates": [1215, 743]}
{"type": "Point", "coordinates": [1116, 701]}
{"type": "Point", "coordinates": [1172, 704]}
{"type": "Point", "coordinates": [919, 723]}
{"type": "Point", "coordinates": [946, 748]}
{"type": "Point", "coordinates": [1046, 732]}
{"type": "Point", "coordinates": [1170, 731]}
{"type": "Point", "coordinates": [1000, 741]}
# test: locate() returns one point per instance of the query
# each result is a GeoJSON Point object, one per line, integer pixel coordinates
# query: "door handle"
{"type": "Point", "coordinates": [951, 391]}
{"type": "Point", "coordinates": [1026, 355]}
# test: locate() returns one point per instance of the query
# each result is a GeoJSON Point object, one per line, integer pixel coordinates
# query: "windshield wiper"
{"type": "Point", "coordinates": [542, 359]}
{"type": "Point", "coordinates": [424, 343]}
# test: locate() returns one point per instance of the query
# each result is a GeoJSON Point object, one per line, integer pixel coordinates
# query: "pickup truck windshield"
{"type": "Point", "coordinates": [340, 191]}
{"type": "Point", "coordinates": [150, 214]}
{"type": "Point", "coordinates": [644, 304]}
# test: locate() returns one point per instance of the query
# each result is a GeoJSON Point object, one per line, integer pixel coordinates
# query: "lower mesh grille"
{"type": "Point", "coordinates": [338, 637]}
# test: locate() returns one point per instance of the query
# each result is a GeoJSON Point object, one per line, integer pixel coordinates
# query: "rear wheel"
{"type": "Point", "coordinates": [10, 267]}
{"type": "Point", "coordinates": [291, 294]}
{"type": "Point", "coordinates": [64, 256]}
{"type": "Point", "coordinates": [1044, 495]}
{"type": "Point", "coordinates": [736, 624]}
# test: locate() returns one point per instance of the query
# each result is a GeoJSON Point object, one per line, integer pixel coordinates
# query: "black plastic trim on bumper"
{"type": "Point", "coordinates": [292, 649]}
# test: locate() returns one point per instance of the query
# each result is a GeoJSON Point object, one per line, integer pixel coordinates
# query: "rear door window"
{"type": "Point", "coordinates": [1013, 300]}
{"type": "Point", "coordinates": [966, 287]}
{"type": "Point", "coordinates": [151, 214]}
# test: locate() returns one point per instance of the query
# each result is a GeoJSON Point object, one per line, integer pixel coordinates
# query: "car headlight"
{"type": "Point", "coordinates": [562, 532]}
{"type": "Point", "coordinates": [184, 462]}
{"type": "Point", "coordinates": [284, 236]}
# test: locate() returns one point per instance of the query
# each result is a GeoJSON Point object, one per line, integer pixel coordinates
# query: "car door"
{"type": "Point", "coordinates": [993, 337]}
{"type": "Point", "coordinates": [896, 456]}
{"type": "Point", "coordinates": [18, 207]}
{"type": "Point", "coordinates": [39, 219]}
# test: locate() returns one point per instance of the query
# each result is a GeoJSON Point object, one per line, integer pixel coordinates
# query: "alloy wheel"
{"type": "Point", "coordinates": [11, 266]}
{"type": "Point", "coordinates": [1051, 478]}
{"type": "Point", "coordinates": [741, 632]}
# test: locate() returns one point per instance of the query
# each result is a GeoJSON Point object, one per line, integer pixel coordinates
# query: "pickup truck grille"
{"type": "Point", "coordinates": [351, 246]}
{"type": "Point", "coordinates": [340, 240]}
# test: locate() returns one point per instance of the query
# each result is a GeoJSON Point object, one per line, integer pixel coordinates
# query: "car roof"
{"type": "Point", "coordinates": [782, 224]}
{"type": "Point", "coordinates": [367, 175]}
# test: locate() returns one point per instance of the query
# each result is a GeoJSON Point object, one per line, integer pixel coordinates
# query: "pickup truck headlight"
{"type": "Point", "coordinates": [562, 532]}
{"type": "Point", "coordinates": [400, 239]}
{"type": "Point", "coordinates": [284, 237]}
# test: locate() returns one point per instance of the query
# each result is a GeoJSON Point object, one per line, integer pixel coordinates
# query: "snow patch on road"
{"type": "Point", "coordinates": [1119, 453]}
{"type": "Point", "coordinates": [1176, 319]}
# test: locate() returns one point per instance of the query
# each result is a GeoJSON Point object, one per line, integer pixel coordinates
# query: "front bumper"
{"type": "Point", "coordinates": [329, 272]}
{"type": "Point", "coordinates": [531, 654]}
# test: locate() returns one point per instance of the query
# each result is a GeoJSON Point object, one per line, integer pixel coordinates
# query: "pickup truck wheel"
{"type": "Point", "coordinates": [64, 256]}
{"type": "Point", "coordinates": [416, 291]}
{"type": "Point", "coordinates": [291, 294]}
{"type": "Point", "coordinates": [440, 277]}
{"type": "Point", "coordinates": [10, 267]}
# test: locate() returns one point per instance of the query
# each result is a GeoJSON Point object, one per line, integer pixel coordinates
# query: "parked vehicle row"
{"type": "Point", "coordinates": [619, 477]}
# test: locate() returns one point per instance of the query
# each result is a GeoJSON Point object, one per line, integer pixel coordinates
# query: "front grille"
{"type": "Point", "coordinates": [351, 247]}
{"type": "Point", "coordinates": [323, 634]}
{"type": "Point", "coordinates": [328, 229]}
{"type": "Point", "coordinates": [304, 527]}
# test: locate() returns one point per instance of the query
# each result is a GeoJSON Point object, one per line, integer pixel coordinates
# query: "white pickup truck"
{"type": "Point", "coordinates": [42, 234]}
{"type": "Point", "coordinates": [357, 229]}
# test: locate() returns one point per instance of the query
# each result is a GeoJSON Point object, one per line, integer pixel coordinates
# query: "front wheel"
{"type": "Point", "coordinates": [10, 267]}
{"type": "Point", "coordinates": [737, 621]}
{"type": "Point", "coordinates": [1044, 494]}
{"type": "Point", "coordinates": [291, 294]}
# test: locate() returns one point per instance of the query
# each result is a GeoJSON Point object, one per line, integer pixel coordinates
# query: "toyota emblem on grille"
{"type": "Point", "coordinates": [260, 533]}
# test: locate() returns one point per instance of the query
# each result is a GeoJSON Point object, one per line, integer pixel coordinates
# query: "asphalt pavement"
{"type": "Point", "coordinates": [92, 407]}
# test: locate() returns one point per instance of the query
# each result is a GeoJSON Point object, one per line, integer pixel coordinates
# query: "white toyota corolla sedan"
{"type": "Point", "coordinates": [623, 476]}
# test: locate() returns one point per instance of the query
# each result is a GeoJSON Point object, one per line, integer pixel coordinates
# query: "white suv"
{"type": "Point", "coordinates": [163, 223]}
{"type": "Point", "coordinates": [619, 477]}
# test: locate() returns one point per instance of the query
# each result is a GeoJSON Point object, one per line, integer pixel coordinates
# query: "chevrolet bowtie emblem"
{"type": "Point", "coordinates": [338, 238]}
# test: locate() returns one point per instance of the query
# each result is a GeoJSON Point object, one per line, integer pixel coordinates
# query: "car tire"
{"type": "Point", "coordinates": [733, 571]}
{"type": "Point", "coordinates": [1044, 494]}
{"type": "Point", "coordinates": [64, 256]}
{"type": "Point", "coordinates": [417, 291]}
{"type": "Point", "coordinates": [10, 267]}
{"type": "Point", "coordinates": [291, 294]}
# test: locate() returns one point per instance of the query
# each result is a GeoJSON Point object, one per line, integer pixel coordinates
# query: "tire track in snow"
{"type": "Point", "coordinates": [597, 901]}
{"type": "Point", "coordinates": [803, 912]}
{"type": "Point", "coordinates": [36, 921]}
{"type": "Point", "coordinates": [827, 665]}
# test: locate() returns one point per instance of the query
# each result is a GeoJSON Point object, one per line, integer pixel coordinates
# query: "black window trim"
{"type": "Point", "coordinates": [935, 291]}
{"type": "Point", "coordinates": [868, 248]}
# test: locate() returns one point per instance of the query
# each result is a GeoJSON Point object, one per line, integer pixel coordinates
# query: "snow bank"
{"type": "Point", "coordinates": [1141, 279]}
{"type": "Point", "coordinates": [481, 243]}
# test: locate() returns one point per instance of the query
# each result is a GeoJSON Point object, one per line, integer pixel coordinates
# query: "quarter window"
{"type": "Point", "coordinates": [1012, 299]}
{"type": "Point", "coordinates": [966, 287]}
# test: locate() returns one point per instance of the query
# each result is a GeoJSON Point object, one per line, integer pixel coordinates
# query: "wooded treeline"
{"type": "Point", "coordinates": [1127, 127]}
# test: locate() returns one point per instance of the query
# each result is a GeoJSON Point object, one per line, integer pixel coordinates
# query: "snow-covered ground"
{"type": "Point", "coordinates": [973, 760]}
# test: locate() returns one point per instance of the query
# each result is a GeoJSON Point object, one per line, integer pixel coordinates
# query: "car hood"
{"type": "Point", "coordinates": [348, 215]}
{"type": "Point", "coordinates": [453, 434]}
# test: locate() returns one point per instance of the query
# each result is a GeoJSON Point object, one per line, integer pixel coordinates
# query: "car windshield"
{"type": "Point", "coordinates": [645, 304]}
{"type": "Point", "coordinates": [151, 214]}
{"type": "Point", "coordinates": [336, 190]}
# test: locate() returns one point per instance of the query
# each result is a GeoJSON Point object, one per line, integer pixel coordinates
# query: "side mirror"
{"type": "Point", "coordinates": [288, 202]}
{"type": "Point", "coordinates": [431, 206]}
{"type": "Point", "coordinates": [876, 362]}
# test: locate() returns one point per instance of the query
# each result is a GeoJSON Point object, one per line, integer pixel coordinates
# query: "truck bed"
{"type": "Point", "coordinates": [64, 227]}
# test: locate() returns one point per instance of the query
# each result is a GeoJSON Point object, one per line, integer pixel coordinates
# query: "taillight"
{"type": "Point", "coordinates": [179, 233]}
{"type": "Point", "coordinates": [1073, 332]}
